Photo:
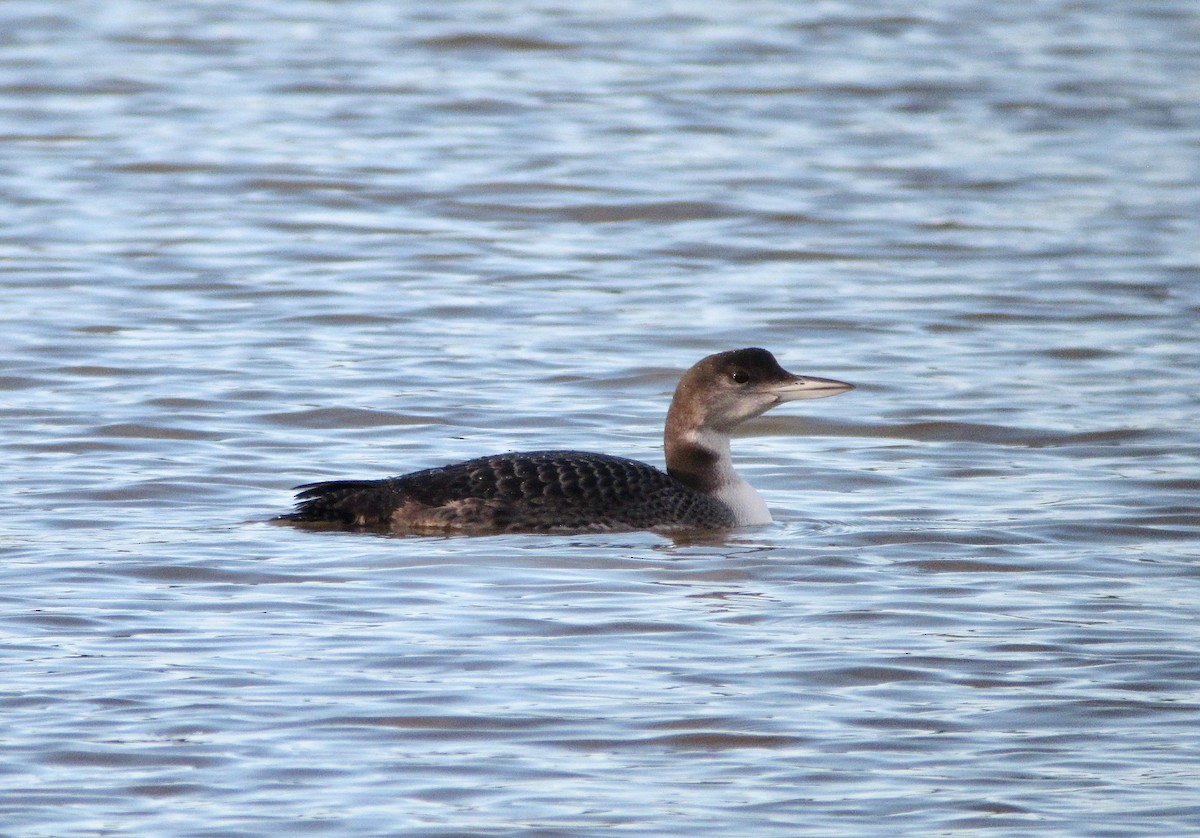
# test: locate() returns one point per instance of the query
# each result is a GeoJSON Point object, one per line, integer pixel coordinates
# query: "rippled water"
{"type": "Point", "coordinates": [252, 245]}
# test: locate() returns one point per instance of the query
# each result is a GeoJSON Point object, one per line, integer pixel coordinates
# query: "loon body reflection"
{"type": "Point", "coordinates": [576, 491]}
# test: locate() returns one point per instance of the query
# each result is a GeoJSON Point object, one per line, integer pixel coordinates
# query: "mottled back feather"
{"type": "Point", "coordinates": [556, 491]}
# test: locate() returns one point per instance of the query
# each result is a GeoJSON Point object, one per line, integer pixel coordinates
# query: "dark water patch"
{"type": "Point", "coordinates": [660, 211]}
{"type": "Point", "coordinates": [911, 723]}
{"type": "Point", "coordinates": [75, 446]}
{"type": "Point", "coordinates": [903, 619]}
{"type": "Point", "coordinates": [138, 430]}
{"type": "Point", "coordinates": [1172, 484]}
{"type": "Point", "coordinates": [117, 489]}
{"type": "Point", "coordinates": [167, 167]}
{"type": "Point", "coordinates": [969, 566]}
{"type": "Point", "coordinates": [300, 184]}
{"type": "Point", "coordinates": [554, 628]}
{"type": "Point", "coordinates": [863, 676]}
{"type": "Point", "coordinates": [123, 755]}
{"type": "Point", "coordinates": [472, 724]}
{"type": "Point", "coordinates": [20, 382]}
{"type": "Point", "coordinates": [234, 575]}
{"type": "Point", "coordinates": [346, 417]}
{"type": "Point", "coordinates": [1027, 648]}
{"type": "Point", "coordinates": [993, 318]}
{"type": "Point", "coordinates": [535, 188]}
{"type": "Point", "coordinates": [111, 87]}
{"type": "Point", "coordinates": [60, 621]}
{"type": "Point", "coordinates": [709, 742]}
{"type": "Point", "coordinates": [937, 537]}
{"type": "Point", "coordinates": [482, 106]}
{"type": "Point", "coordinates": [732, 253]}
{"type": "Point", "coordinates": [224, 45]}
{"type": "Point", "coordinates": [1079, 353]}
{"type": "Point", "coordinates": [341, 319]}
{"type": "Point", "coordinates": [950, 431]}
{"type": "Point", "coordinates": [664, 212]}
{"type": "Point", "coordinates": [93, 371]}
{"type": "Point", "coordinates": [187, 403]}
{"type": "Point", "coordinates": [1099, 531]}
{"type": "Point", "coordinates": [42, 140]}
{"type": "Point", "coordinates": [486, 41]}
{"type": "Point", "coordinates": [168, 790]}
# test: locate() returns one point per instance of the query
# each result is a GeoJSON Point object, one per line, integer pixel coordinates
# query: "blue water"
{"type": "Point", "coordinates": [253, 245]}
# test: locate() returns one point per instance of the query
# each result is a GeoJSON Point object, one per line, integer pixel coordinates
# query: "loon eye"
{"type": "Point", "coordinates": [741, 376]}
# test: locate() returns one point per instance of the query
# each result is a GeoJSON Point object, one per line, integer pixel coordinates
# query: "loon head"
{"type": "Point", "coordinates": [715, 396]}
{"type": "Point", "coordinates": [722, 391]}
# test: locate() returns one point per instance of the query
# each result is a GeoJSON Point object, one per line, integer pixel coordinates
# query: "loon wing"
{"type": "Point", "coordinates": [531, 491]}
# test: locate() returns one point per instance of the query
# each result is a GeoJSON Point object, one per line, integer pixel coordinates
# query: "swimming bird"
{"type": "Point", "coordinates": [577, 491]}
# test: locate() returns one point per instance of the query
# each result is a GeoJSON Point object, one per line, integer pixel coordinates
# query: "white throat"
{"type": "Point", "coordinates": [747, 504]}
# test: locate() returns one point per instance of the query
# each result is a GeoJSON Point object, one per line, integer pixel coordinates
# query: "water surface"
{"type": "Point", "coordinates": [250, 245]}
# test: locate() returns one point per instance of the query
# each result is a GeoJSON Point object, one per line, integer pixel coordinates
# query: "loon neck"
{"type": "Point", "coordinates": [701, 460]}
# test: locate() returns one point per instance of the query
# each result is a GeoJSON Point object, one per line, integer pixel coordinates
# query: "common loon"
{"type": "Point", "coordinates": [575, 491]}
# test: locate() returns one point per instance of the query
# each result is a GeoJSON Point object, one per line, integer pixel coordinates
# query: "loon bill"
{"type": "Point", "coordinates": [575, 491]}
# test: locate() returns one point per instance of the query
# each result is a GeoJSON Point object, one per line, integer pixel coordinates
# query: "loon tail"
{"type": "Point", "coordinates": [359, 503]}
